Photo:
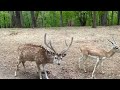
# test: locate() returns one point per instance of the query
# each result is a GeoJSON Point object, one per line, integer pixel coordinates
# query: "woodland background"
{"type": "Point", "coordinates": [39, 19]}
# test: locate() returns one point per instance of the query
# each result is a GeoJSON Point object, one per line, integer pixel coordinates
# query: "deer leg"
{"type": "Point", "coordinates": [17, 68]}
{"type": "Point", "coordinates": [95, 67]}
{"type": "Point", "coordinates": [101, 66]}
{"type": "Point", "coordinates": [83, 64]}
{"type": "Point", "coordinates": [23, 63]}
{"type": "Point", "coordinates": [39, 71]}
{"type": "Point", "coordinates": [80, 59]}
{"type": "Point", "coordinates": [45, 71]}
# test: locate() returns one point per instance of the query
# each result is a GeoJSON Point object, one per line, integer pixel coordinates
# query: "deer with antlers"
{"type": "Point", "coordinates": [99, 54]}
{"type": "Point", "coordinates": [40, 55]}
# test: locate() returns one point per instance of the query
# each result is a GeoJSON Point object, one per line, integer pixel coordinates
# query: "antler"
{"type": "Point", "coordinates": [110, 41]}
{"type": "Point", "coordinates": [114, 44]}
{"type": "Point", "coordinates": [51, 47]}
{"type": "Point", "coordinates": [114, 41]}
{"type": "Point", "coordinates": [66, 43]}
{"type": "Point", "coordinates": [67, 46]}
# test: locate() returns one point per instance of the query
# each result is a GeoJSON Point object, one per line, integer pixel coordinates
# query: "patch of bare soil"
{"type": "Point", "coordinates": [10, 39]}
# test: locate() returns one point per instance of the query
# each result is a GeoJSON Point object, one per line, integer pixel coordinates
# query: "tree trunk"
{"type": "Point", "coordinates": [54, 18]}
{"type": "Point", "coordinates": [118, 18]}
{"type": "Point", "coordinates": [36, 15]}
{"type": "Point", "coordinates": [18, 19]}
{"type": "Point", "coordinates": [104, 18]}
{"type": "Point", "coordinates": [94, 19]}
{"type": "Point", "coordinates": [13, 20]}
{"type": "Point", "coordinates": [99, 19]}
{"type": "Point", "coordinates": [108, 21]}
{"type": "Point", "coordinates": [21, 18]}
{"type": "Point", "coordinates": [61, 19]}
{"type": "Point", "coordinates": [112, 17]}
{"type": "Point", "coordinates": [42, 19]}
{"type": "Point", "coordinates": [33, 19]}
{"type": "Point", "coordinates": [82, 18]}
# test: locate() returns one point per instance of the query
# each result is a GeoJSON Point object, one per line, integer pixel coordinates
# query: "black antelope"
{"type": "Point", "coordinates": [99, 54]}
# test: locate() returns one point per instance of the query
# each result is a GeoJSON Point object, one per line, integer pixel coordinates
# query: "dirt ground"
{"type": "Point", "coordinates": [10, 39]}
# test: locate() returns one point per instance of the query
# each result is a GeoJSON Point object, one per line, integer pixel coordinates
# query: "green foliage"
{"type": "Point", "coordinates": [26, 19]}
{"type": "Point", "coordinates": [52, 18]}
{"type": "Point", "coordinates": [5, 19]}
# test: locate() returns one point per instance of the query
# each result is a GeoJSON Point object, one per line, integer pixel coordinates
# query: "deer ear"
{"type": "Point", "coordinates": [63, 55]}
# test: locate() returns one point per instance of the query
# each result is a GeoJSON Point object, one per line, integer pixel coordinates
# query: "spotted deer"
{"type": "Point", "coordinates": [99, 54]}
{"type": "Point", "coordinates": [42, 56]}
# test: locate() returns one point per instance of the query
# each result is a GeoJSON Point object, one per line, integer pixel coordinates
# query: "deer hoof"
{"type": "Point", "coordinates": [93, 77]}
{"type": "Point", "coordinates": [40, 78]}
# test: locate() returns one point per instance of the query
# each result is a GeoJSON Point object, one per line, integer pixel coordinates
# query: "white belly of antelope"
{"type": "Point", "coordinates": [95, 57]}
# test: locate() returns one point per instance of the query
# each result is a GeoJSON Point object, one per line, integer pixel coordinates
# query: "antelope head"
{"type": "Point", "coordinates": [115, 48]}
{"type": "Point", "coordinates": [56, 57]}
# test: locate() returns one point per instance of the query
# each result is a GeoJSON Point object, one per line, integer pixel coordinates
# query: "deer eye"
{"type": "Point", "coordinates": [64, 55]}
{"type": "Point", "coordinates": [53, 53]}
{"type": "Point", "coordinates": [55, 57]}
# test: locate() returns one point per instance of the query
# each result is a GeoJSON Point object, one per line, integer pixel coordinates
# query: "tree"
{"type": "Point", "coordinates": [99, 18]}
{"type": "Point", "coordinates": [104, 18]}
{"type": "Point", "coordinates": [21, 18]}
{"type": "Point", "coordinates": [33, 19]}
{"type": "Point", "coordinates": [112, 17]}
{"type": "Point", "coordinates": [42, 18]}
{"type": "Point", "coordinates": [94, 19]}
{"type": "Point", "coordinates": [54, 18]}
{"type": "Point", "coordinates": [18, 19]}
{"type": "Point", "coordinates": [13, 20]}
{"type": "Point", "coordinates": [118, 18]}
{"type": "Point", "coordinates": [61, 19]}
{"type": "Point", "coordinates": [36, 15]}
{"type": "Point", "coordinates": [82, 18]}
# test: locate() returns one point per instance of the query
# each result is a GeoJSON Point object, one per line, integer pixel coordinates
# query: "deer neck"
{"type": "Point", "coordinates": [110, 53]}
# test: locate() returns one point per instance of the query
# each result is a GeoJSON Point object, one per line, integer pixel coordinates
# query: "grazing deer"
{"type": "Point", "coordinates": [40, 55]}
{"type": "Point", "coordinates": [98, 53]}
